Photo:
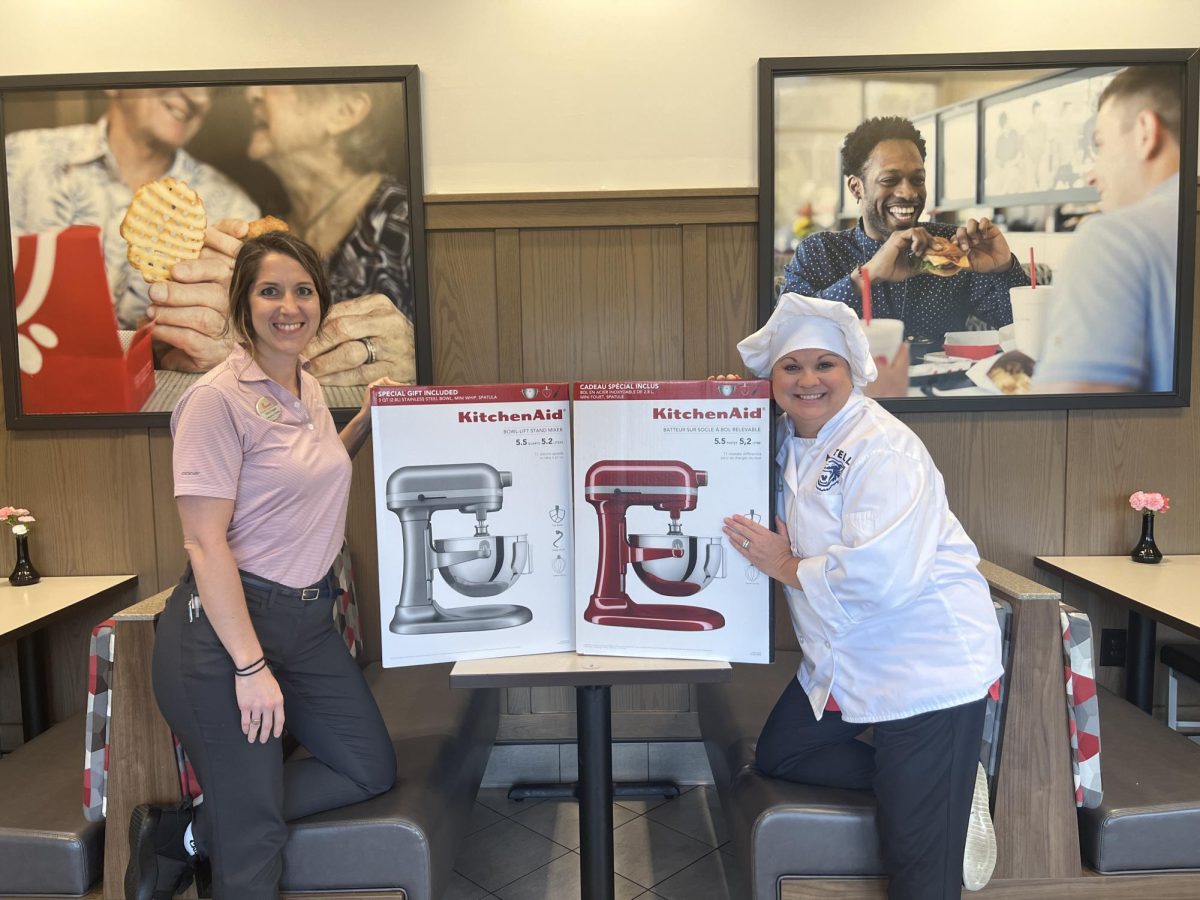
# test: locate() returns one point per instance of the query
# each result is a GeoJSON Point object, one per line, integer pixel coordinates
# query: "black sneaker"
{"type": "Point", "coordinates": [159, 866]}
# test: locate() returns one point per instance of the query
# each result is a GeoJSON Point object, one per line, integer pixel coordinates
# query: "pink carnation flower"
{"type": "Point", "coordinates": [1154, 502]}
{"type": "Point", "coordinates": [26, 519]}
{"type": "Point", "coordinates": [1137, 500]}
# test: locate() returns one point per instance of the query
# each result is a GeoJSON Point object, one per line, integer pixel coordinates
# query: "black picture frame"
{"type": "Point", "coordinates": [53, 101]}
{"type": "Point", "coordinates": [975, 66]}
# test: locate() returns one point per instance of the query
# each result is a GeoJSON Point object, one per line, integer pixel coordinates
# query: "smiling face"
{"type": "Point", "coordinates": [811, 387]}
{"type": "Point", "coordinates": [285, 308]}
{"type": "Point", "coordinates": [891, 190]}
{"type": "Point", "coordinates": [161, 117]}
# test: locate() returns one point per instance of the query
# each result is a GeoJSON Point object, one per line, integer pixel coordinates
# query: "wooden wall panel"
{"type": "Point", "coordinates": [998, 467]}
{"type": "Point", "coordinates": [601, 303]}
{"type": "Point", "coordinates": [171, 556]}
{"type": "Point", "coordinates": [731, 294]}
{"type": "Point", "coordinates": [462, 300]}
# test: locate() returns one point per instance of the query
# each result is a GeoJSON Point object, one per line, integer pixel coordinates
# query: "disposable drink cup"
{"type": "Point", "coordinates": [884, 337]}
{"type": "Point", "coordinates": [1029, 317]}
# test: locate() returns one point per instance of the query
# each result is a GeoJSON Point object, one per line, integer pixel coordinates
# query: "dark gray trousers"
{"type": "Point", "coordinates": [922, 770]}
{"type": "Point", "coordinates": [250, 792]}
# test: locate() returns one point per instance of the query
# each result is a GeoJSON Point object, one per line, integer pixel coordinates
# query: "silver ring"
{"type": "Point", "coordinates": [746, 544]}
{"type": "Point", "coordinates": [256, 721]}
{"type": "Point", "coordinates": [371, 355]}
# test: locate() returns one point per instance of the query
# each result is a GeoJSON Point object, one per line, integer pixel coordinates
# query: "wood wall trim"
{"type": "Point", "coordinates": [649, 194]}
{"type": "Point", "coordinates": [584, 210]}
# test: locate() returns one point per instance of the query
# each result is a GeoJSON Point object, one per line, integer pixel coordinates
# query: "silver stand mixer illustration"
{"type": "Point", "coordinates": [479, 566]}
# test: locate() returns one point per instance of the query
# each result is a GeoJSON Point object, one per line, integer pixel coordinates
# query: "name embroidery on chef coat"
{"type": "Point", "coordinates": [836, 464]}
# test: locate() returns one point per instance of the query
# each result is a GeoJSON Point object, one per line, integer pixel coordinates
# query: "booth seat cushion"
{"type": "Point", "coordinates": [766, 815]}
{"type": "Point", "coordinates": [47, 846]}
{"type": "Point", "coordinates": [407, 838]}
{"type": "Point", "coordinates": [1149, 818]}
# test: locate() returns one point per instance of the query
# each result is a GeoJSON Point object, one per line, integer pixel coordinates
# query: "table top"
{"type": "Point", "coordinates": [1168, 591]}
{"type": "Point", "coordinates": [574, 670]}
{"type": "Point", "coordinates": [22, 608]}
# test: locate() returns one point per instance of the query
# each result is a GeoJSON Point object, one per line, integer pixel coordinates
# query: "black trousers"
{"type": "Point", "coordinates": [250, 792]}
{"type": "Point", "coordinates": [922, 770]}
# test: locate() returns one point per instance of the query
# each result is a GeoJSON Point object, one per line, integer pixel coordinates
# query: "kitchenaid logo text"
{"type": "Point", "coordinates": [538, 415]}
{"type": "Point", "coordinates": [661, 412]}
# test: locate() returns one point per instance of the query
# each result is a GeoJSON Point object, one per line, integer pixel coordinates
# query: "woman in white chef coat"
{"type": "Point", "coordinates": [895, 622]}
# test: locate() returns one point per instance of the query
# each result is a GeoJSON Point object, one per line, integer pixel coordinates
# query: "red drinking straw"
{"type": "Point", "coordinates": [866, 292]}
{"type": "Point", "coordinates": [1032, 271]}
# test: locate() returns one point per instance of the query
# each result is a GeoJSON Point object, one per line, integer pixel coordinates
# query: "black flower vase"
{"type": "Point", "coordinates": [1146, 550]}
{"type": "Point", "coordinates": [23, 572]}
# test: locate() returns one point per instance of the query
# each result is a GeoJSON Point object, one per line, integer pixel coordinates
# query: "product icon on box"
{"type": "Point", "coordinates": [482, 565]}
{"type": "Point", "coordinates": [673, 564]}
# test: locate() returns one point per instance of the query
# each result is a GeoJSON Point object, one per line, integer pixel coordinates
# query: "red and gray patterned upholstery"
{"type": "Point", "coordinates": [95, 763]}
{"type": "Point", "coordinates": [1083, 711]}
{"type": "Point", "coordinates": [993, 722]}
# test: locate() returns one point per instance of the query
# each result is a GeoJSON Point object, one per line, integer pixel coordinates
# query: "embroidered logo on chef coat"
{"type": "Point", "coordinates": [835, 464]}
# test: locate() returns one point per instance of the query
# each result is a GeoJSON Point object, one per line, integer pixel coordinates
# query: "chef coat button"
{"type": "Point", "coordinates": [296, 403]}
{"type": "Point", "coordinates": [800, 637]}
{"type": "Point", "coordinates": [310, 426]}
{"type": "Point", "coordinates": [827, 644]}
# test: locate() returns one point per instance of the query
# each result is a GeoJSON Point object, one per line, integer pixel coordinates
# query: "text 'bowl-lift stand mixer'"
{"type": "Point", "coordinates": [480, 566]}
{"type": "Point", "coordinates": [673, 564]}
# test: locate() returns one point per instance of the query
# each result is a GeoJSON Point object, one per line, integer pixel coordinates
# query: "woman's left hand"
{"type": "Point", "coordinates": [353, 331]}
{"type": "Point", "coordinates": [769, 551]}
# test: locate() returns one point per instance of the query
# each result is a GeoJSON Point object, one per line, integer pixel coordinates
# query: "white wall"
{"type": "Point", "coordinates": [545, 95]}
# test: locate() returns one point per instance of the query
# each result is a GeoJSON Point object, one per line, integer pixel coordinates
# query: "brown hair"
{"type": "Point", "coordinates": [1155, 88]}
{"type": "Point", "coordinates": [245, 273]}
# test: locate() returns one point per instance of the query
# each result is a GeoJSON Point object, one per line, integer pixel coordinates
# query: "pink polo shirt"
{"type": "Point", "coordinates": [240, 436]}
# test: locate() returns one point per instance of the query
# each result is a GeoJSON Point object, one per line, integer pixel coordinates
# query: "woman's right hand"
{"type": "Point", "coordinates": [261, 703]}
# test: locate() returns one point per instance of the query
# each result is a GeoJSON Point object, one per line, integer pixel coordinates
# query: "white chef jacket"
{"type": "Point", "coordinates": [893, 616]}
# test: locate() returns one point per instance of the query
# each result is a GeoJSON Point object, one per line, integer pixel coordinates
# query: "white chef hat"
{"type": "Point", "coordinates": [809, 323]}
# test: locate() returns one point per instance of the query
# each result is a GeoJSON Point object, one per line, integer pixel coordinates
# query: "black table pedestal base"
{"type": "Point", "coordinates": [1139, 662]}
{"type": "Point", "coordinates": [31, 678]}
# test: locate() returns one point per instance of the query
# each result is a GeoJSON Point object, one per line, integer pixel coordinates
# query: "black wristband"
{"type": "Point", "coordinates": [250, 668]}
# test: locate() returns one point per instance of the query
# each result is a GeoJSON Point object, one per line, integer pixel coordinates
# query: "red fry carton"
{"type": "Point", "coordinates": [69, 350]}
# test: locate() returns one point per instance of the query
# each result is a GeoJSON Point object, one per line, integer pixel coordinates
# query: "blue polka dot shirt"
{"type": "Point", "coordinates": [930, 305]}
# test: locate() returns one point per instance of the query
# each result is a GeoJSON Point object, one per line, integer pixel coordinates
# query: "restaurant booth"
{"type": "Point", "coordinates": [586, 216]}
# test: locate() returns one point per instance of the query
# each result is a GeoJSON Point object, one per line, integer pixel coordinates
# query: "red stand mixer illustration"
{"type": "Point", "coordinates": [672, 564]}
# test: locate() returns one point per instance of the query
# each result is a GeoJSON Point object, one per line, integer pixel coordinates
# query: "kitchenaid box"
{"type": "Point", "coordinates": [658, 467]}
{"type": "Point", "coordinates": [473, 514]}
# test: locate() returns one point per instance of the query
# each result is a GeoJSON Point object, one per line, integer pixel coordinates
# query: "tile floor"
{"type": "Point", "coordinates": [672, 849]}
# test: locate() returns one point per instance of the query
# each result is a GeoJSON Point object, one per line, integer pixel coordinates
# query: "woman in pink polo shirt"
{"type": "Point", "coordinates": [261, 482]}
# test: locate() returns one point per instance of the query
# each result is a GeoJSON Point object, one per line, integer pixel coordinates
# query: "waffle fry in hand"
{"type": "Point", "coordinates": [264, 225]}
{"type": "Point", "coordinates": [164, 224]}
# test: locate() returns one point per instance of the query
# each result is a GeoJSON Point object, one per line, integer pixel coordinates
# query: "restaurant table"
{"type": "Point", "coordinates": [1167, 592]}
{"type": "Point", "coordinates": [24, 612]}
{"type": "Point", "coordinates": [593, 678]}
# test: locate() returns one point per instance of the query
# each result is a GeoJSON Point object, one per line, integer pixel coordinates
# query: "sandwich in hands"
{"type": "Point", "coordinates": [943, 257]}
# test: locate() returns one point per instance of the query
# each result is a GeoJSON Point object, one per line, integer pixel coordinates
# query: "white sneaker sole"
{"type": "Point", "coordinates": [979, 858]}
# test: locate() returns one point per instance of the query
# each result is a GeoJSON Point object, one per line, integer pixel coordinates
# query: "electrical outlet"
{"type": "Point", "coordinates": [1113, 642]}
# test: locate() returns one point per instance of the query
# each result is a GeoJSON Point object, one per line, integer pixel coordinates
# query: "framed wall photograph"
{"type": "Point", "coordinates": [332, 153]}
{"type": "Point", "coordinates": [1045, 315]}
